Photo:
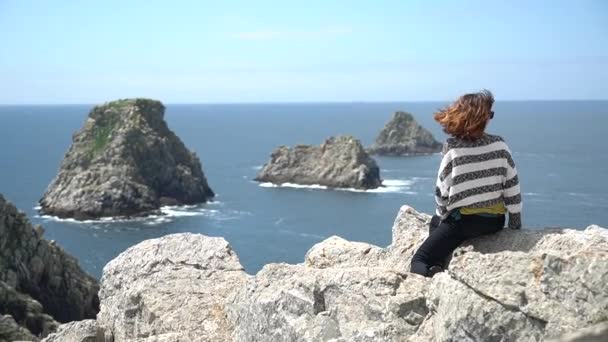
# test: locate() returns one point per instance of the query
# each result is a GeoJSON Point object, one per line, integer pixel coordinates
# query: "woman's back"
{"type": "Point", "coordinates": [478, 174]}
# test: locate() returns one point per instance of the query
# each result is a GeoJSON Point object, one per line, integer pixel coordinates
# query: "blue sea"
{"type": "Point", "coordinates": [559, 148]}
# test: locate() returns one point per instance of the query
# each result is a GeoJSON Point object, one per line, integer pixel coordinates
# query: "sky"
{"type": "Point", "coordinates": [69, 51]}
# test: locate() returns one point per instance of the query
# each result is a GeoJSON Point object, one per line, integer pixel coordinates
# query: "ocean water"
{"type": "Point", "coordinates": [559, 148]}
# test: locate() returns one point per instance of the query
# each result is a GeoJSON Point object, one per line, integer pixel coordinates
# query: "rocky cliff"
{"type": "Point", "coordinates": [40, 284]}
{"type": "Point", "coordinates": [403, 136]}
{"type": "Point", "coordinates": [125, 161]}
{"type": "Point", "coordinates": [339, 162]}
{"type": "Point", "coordinates": [513, 286]}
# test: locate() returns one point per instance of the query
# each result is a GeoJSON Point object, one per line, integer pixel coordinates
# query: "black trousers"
{"type": "Point", "coordinates": [448, 235]}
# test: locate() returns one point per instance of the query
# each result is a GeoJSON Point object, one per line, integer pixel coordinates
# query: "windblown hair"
{"type": "Point", "coordinates": [468, 116]}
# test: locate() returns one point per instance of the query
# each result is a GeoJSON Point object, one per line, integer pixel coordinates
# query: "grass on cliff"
{"type": "Point", "coordinates": [101, 135]}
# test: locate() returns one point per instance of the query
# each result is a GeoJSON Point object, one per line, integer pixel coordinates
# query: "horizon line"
{"type": "Point", "coordinates": [289, 102]}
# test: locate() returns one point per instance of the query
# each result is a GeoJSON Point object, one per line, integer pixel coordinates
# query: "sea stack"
{"type": "Point", "coordinates": [403, 136]}
{"type": "Point", "coordinates": [339, 162]}
{"type": "Point", "coordinates": [125, 162]}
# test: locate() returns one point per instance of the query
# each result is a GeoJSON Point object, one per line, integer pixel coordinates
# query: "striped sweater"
{"type": "Point", "coordinates": [478, 174]}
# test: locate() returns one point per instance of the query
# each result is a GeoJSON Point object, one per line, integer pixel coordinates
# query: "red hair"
{"type": "Point", "coordinates": [468, 116]}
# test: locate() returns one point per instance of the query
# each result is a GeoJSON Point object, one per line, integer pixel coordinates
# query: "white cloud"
{"type": "Point", "coordinates": [331, 32]}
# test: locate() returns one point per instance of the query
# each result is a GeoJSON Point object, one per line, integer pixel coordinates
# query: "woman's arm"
{"type": "Point", "coordinates": [512, 194]}
{"type": "Point", "coordinates": [442, 184]}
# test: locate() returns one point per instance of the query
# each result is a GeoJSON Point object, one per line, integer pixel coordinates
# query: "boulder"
{"type": "Point", "coordinates": [297, 303]}
{"type": "Point", "coordinates": [339, 162]}
{"type": "Point", "coordinates": [172, 288]}
{"type": "Point", "coordinates": [11, 331]}
{"type": "Point", "coordinates": [403, 136]}
{"type": "Point", "coordinates": [80, 331]}
{"type": "Point", "coordinates": [125, 161]}
{"type": "Point", "coordinates": [40, 283]}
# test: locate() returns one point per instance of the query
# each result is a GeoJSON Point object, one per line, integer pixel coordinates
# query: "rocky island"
{"type": "Point", "coordinates": [125, 161]}
{"type": "Point", "coordinates": [339, 162]}
{"type": "Point", "coordinates": [403, 136]}
{"type": "Point", "coordinates": [517, 285]}
{"type": "Point", "coordinates": [41, 286]}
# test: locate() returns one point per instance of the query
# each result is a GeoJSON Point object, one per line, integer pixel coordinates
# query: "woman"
{"type": "Point", "coordinates": [477, 183]}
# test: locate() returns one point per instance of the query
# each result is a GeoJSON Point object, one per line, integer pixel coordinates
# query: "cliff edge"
{"type": "Point", "coordinates": [517, 285]}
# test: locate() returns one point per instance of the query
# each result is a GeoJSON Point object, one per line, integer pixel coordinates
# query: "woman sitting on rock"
{"type": "Point", "coordinates": [477, 183]}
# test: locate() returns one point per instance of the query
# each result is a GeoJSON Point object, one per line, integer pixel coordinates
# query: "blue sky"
{"type": "Point", "coordinates": [65, 51]}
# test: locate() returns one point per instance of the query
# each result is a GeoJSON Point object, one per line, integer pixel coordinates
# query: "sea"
{"type": "Point", "coordinates": [559, 147]}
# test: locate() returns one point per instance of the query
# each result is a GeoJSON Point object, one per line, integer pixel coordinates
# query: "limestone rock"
{"type": "Point", "coordinates": [339, 162]}
{"type": "Point", "coordinates": [173, 286]}
{"type": "Point", "coordinates": [296, 303]}
{"type": "Point", "coordinates": [594, 333]}
{"type": "Point", "coordinates": [459, 313]}
{"type": "Point", "coordinates": [335, 251]}
{"type": "Point", "coordinates": [39, 282]}
{"type": "Point", "coordinates": [517, 285]}
{"type": "Point", "coordinates": [402, 136]}
{"type": "Point", "coordinates": [80, 331]}
{"type": "Point", "coordinates": [125, 161]}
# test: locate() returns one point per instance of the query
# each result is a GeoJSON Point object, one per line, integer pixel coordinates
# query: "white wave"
{"type": "Point", "coordinates": [293, 185]}
{"type": "Point", "coordinates": [312, 236]}
{"type": "Point", "coordinates": [214, 203]}
{"type": "Point", "coordinates": [304, 235]}
{"type": "Point", "coordinates": [59, 219]}
{"type": "Point", "coordinates": [37, 207]}
{"type": "Point", "coordinates": [168, 213]}
{"type": "Point", "coordinates": [415, 179]}
{"type": "Point", "coordinates": [397, 182]}
{"type": "Point", "coordinates": [257, 167]}
{"type": "Point", "coordinates": [578, 194]}
{"type": "Point", "coordinates": [179, 213]}
{"type": "Point", "coordinates": [531, 194]}
{"type": "Point", "coordinates": [390, 186]}
{"type": "Point", "coordinates": [157, 220]}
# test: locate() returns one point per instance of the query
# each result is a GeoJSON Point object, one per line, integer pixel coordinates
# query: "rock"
{"type": "Point", "coordinates": [125, 161]}
{"type": "Point", "coordinates": [39, 282]}
{"type": "Point", "coordinates": [171, 288]}
{"type": "Point", "coordinates": [594, 333]}
{"type": "Point", "coordinates": [25, 311]}
{"type": "Point", "coordinates": [339, 162]}
{"type": "Point", "coordinates": [517, 285]}
{"type": "Point", "coordinates": [296, 303]}
{"type": "Point", "coordinates": [11, 331]}
{"type": "Point", "coordinates": [564, 293]}
{"type": "Point", "coordinates": [81, 331]}
{"type": "Point", "coordinates": [459, 313]}
{"type": "Point", "coordinates": [335, 251]}
{"type": "Point", "coordinates": [403, 136]}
